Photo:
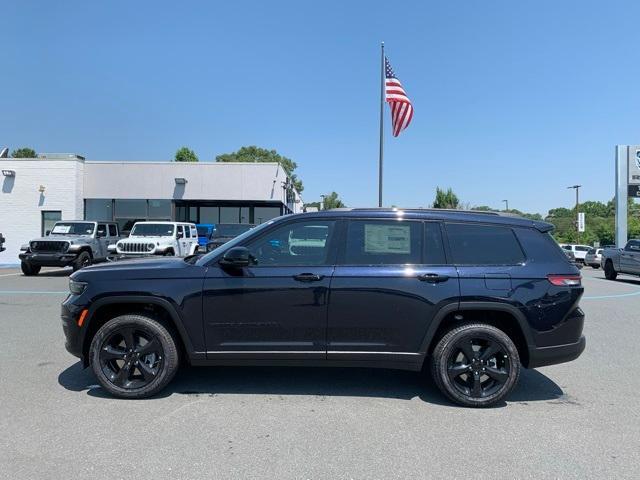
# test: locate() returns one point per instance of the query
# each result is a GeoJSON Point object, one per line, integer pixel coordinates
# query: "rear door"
{"type": "Point", "coordinates": [391, 279]}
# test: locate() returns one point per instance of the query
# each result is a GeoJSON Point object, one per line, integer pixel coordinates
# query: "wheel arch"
{"type": "Point", "coordinates": [160, 309]}
{"type": "Point", "coordinates": [509, 319]}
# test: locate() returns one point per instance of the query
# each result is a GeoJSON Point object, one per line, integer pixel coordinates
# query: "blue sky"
{"type": "Point", "coordinates": [513, 99]}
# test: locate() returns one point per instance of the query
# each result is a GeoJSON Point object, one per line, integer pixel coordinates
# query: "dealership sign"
{"type": "Point", "coordinates": [633, 166]}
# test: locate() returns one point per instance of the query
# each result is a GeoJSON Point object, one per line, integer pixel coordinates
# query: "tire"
{"type": "Point", "coordinates": [83, 260]}
{"type": "Point", "coordinates": [610, 272]}
{"type": "Point", "coordinates": [169, 253]}
{"type": "Point", "coordinates": [108, 362]}
{"type": "Point", "coordinates": [595, 267]}
{"type": "Point", "coordinates": [29, 270]}
{"type": "Point", "coordinates": [478, 388]}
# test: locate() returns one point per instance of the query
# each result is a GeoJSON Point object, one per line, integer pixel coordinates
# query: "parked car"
{"type": "Point", "coordinates": [224, 232]}
{"type": "Point", "coordinates": [76, 243]}
{"type": "Point", "coordinates": [579, 251]}
{"type": "Point", "coordinates": [593, 257]}
{"type": "Point", "coordinates": [466, 295]}
{"type": "Point", "coordinates": [159, 238]}
{"type": "Point", "coordinates": [2, 240]}
{"type": "Point", "coordinates": [204, 234]}
{"type": "Point", "coordinates": [572, 258]}
{"type": "Point", "coordinates": [621, 260]}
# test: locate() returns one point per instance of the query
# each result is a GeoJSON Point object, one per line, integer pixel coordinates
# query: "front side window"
{"type": "Point", "coordinates": [300, 243]}
{"type": "Point", "coordinates": [473, 244]}
{"type": "Point", "coordinates": [383, 242]}
{"type": "Point", "coordinates": [633, 246]}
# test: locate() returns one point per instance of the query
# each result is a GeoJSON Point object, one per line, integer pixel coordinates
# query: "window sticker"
{"type": "Point", "coordinates": [387, 238]}
{"type": "Point", "coordinates": [61, 229]}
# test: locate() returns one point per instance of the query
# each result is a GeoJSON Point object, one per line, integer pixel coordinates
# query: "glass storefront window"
{"type": "Point", "coordinates": [131, 209]}
{"type": "Point", "coordinates": [209, 215]}
{"type": "Point", "coordinates": [262, 214]}
{"type": "Point", "coordinates": [160, 209]}
{"type": "Point", "coordinates": [98, 209]}
{"type": "Point", "coordinates": [229, 214]}
{"type": "Point", "coordinates": [244, 215]}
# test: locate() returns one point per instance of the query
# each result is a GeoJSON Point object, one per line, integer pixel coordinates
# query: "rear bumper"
{"type": "Point", "coordinates": [541, 356]}
{"type": "Point", "coordinates": [48, 259]}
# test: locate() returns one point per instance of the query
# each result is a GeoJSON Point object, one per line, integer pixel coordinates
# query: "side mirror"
{"type": "Point", "coordinates": [179, 235]}
{"type": "Point", "coordinates": [236, 257]}
{"type": "Point", "coordinates": [46, 234]}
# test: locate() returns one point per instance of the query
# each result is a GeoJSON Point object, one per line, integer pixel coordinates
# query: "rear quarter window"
{"type": "Point", "coordinates": [473, 244]}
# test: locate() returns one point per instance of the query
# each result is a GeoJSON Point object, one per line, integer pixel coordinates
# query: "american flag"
{"type": "Point", "coordinates": [401, 108]}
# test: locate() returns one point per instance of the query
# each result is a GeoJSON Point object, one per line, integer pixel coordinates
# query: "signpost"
{"type": "Point", "coordinates": [581, 222]}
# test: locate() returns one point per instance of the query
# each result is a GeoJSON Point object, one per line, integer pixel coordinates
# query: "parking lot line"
{"type": "Point", "coordinates": [30, 292]}
{"type": "Point", "coordinates": [10, 274]}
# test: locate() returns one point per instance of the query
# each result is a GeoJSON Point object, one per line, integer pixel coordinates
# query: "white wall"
{"type": "Point", "coordinates": [21, 202]}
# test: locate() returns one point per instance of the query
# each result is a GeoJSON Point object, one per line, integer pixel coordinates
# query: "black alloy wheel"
{"type": "Point", "coordinates": [83, 260]}
{"type": "Point", "coordinates": [133, 356]}
{"type": "Point", "coordinates": [476, 365]}
{"type": "Point", "coordinates": [610, 272]}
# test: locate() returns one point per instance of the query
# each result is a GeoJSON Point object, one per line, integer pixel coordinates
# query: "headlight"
{"type": "Point", "coordinates": [34, 244]}
{"type": "Point", "coordinates": [150, 246]}
{"type": "Point", "coordinates": [77, 287]}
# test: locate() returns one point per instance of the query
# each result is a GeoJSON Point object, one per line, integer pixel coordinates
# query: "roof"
{"type": "Point", "coordinates": [476, 216]}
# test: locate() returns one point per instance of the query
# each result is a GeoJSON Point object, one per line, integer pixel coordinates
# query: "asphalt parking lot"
{"type": "Point", "coordinates": [576, 420]}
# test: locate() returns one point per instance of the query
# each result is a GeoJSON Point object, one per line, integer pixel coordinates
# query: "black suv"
{"type": "Point", "coordinates": [472, 296]}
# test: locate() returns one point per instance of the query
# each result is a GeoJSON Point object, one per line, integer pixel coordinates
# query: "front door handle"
{"type": "Point", "coordinates": [433, 277]}
{"type": "Point", "coordinates": [308, 277]}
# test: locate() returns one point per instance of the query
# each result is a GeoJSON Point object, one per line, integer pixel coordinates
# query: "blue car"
{"type": "Point", "coordinates": [205, 230]}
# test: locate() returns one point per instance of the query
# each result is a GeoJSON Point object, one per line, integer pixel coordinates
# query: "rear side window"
{"type": "Point", "coordinates": [380, 242]}
{"type": "Point", "coordinates": [433, 246]}
{"type": "Point", "coordinates": [483, 245]}
{"type": "Point", "coordinates": [113, 231]}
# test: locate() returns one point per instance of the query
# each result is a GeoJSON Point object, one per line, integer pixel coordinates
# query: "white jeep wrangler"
{"type": "Point", "coordinates": [159, 238]}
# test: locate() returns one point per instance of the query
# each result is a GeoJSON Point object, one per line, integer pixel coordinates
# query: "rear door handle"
{"type": "Point", "coordinates": [433, 277]}
{"type": "Point", "coordinates": [308, 277]}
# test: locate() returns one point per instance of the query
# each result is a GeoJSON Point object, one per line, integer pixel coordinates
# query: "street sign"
{"type": "Point", "coordinates": [634, 191]}
{"type": "Point", "coordinates": [633, 163]}
{"type": "Point", "coordinates": [581, 223]}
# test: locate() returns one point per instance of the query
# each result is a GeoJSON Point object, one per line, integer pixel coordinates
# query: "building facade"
{"type": "Point", "coordinates": [37, 192]}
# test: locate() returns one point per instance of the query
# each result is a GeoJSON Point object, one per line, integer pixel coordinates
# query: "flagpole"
{"type": "Point", "coordinates": [381, 125]}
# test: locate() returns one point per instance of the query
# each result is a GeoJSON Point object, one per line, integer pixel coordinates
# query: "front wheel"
{"type": "Point", "coordinates": [133, 356]}
{"type": "Point", "coordinates": [610, 272]}
{"type": "Point", "coordinates": [29, 270]}
{"type": "Point", "coordinates": [83, 260]}
{"type": "Point", "coordinates": [475, 365]}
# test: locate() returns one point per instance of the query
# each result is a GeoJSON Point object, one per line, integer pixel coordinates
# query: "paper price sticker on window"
{"type": "Point", "coordinates": [387, 239]}
{"type": "Point", "coordinates": [61, 229]}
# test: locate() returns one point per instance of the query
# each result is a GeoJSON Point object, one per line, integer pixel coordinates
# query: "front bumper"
{"type": "Point", "coordinates": [541, 356]}
{"type": "Point", "coordinates": [48, 259]}
{"type": "Point", "coordinates": [74, 334]}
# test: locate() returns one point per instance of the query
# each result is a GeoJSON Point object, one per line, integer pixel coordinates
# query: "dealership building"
{"type": "Point", "coordinates": [37, 192]}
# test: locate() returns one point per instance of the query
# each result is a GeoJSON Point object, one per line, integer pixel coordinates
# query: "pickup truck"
{"type": "Point", "coordinates": [621, 260]}
{"type": "Point", "coordinates": [76, 243]}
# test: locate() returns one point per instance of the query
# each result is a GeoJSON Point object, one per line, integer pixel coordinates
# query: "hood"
{"type": "Point", "coordinates": [140, 268]}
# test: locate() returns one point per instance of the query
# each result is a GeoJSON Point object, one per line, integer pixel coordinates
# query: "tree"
{"type": "Point", "coordinates": [186, 155]}
{"type": "Point", "coordinates": [330, 201]}
{"type": "Point", "coordinates": [446, 199]}
{"type": "Point", "coordinates": [24, 152]}
{"type": "Point", "coordinates": [254, 154]}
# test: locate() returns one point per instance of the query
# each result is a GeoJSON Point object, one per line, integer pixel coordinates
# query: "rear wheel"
{"type": "Point", "coordinates": [475, 365]}
{"type": "Point", "coordinates": [133, 356]}
{"type": "Point", "coordinates": [29, 269]}
{"type": "Point", "coordinates": [610, 272]}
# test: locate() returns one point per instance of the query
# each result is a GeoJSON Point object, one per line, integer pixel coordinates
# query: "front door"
{"type": "Point", "coordinates": [277, 307]}
{"type": "Point", "coordinates": [390, 281]}
{"type": "Point", "coordinates": [630, 257]}
{"type": "Point", "coordinates": [103, 240]}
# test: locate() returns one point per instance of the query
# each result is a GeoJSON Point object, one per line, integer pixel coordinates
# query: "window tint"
{"type": "Point", "coordinates": [633, 245]}
{"type": "Point", "coordinates": [102, 230]}
{"type": "Point", "coordinates": [433, 247]}
{"type": "Point", "coordinates": [180, 231]}
{"type": "Point", "coordinates": [113, 231]}
{"type": "Point", "coordinates": [483, 245]}
{"type": "Point", "coordinates": [187, 232]}
{"type": "Point", "coordinates": [581, 248]}
{"type": "Point", "coordinates": [567, 247]}
{"type": "Point", "coordinates": [300, 243]}
{"type": "Point", "coordinates": [379, 242]}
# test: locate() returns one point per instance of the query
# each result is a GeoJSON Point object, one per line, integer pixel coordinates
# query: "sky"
{"type": "Point", "coordinates": [513, 100]}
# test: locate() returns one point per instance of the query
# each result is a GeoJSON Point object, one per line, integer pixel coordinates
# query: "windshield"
{"type": "Point", "coordinates": [152, 230]}
{"type": "Point", "coordinates": [73, 228]}
{"type": "Point", "coordinates": [230, 229]}
{"type": "Point", "coordinates": [232, 243]}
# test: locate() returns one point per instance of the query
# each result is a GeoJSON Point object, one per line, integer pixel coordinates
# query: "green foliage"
{"type": "Point", "coordinates": [186, 155]}
{"type": "Point", "coordinates": [446, 199]}
{"type": "Point", "coordinates": [24, 152]}
{"type": "Point", "coordinates": [330, 201]}
{"type": "Point", "coordinates": [256, 154]}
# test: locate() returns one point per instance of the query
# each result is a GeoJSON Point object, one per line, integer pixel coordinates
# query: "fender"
{"type": "Point", "coordinates": [161, 302]}
{"type": "Point", "coordinates": [462, 306]}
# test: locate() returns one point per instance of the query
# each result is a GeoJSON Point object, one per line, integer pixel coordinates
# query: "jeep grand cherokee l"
{"type": "Point", "coordinates": [470, 296]}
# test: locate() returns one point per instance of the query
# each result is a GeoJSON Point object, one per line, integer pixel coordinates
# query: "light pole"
{"type": "Point", "coordinates": [577, 189]}
{"type": "Point", "coordinates": [506, 205]}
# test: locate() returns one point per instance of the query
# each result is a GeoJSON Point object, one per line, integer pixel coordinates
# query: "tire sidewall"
{"type": "Point", "coordinates": [447, 345]}
{"type": "Point", "coordinates": [169, 361]}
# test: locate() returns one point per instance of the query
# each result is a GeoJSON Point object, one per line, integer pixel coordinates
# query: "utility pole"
{"type": "Point", "coordinates": [577, 189]}
{"type": "Point", "coordinates": [506, 203]}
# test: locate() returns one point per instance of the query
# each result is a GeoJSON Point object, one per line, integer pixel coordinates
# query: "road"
{"type": "Point", "coordinates": [577, 420]}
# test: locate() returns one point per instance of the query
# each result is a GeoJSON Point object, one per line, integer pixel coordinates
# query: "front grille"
{"type": "Point", "coordinates": [49, 246]}
{"type": "Point", "coordinates": [134, 247]}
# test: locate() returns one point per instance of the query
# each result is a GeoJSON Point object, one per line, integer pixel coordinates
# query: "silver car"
{"type": "Point", "coordinates": [593, 257]}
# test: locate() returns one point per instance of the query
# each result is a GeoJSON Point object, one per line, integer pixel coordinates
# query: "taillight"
{"type": "Point", "coordinates": [565, 280]}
